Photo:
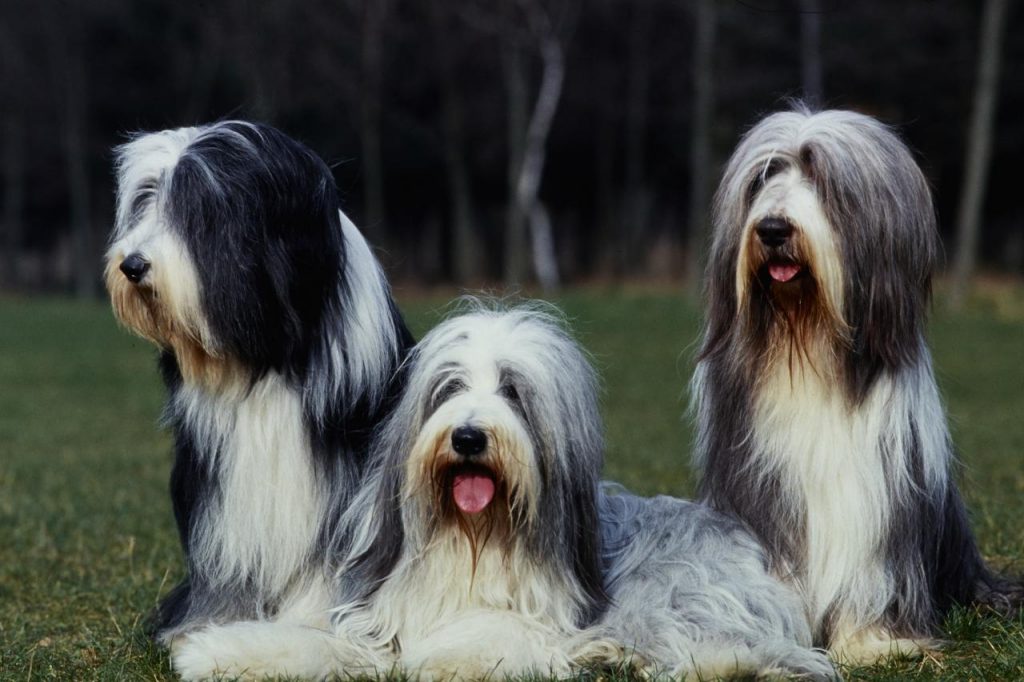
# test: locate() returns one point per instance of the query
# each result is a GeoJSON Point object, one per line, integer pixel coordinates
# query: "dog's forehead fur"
{"type": "Point", "coordinates": [490, 346]}
{"type": "Point", "coordinates": [853, 160]}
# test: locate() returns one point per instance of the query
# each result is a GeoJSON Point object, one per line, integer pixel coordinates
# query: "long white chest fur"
{"type": "Point", "coordinates": [839, 466]}
{"type": "Point", "coordinates": [509, 615]}
{"type": "Point", "coordinates": [264, 520]}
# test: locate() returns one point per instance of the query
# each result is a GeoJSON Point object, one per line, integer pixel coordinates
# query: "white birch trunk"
{"type": "Point", "coordinates": [700, 136]}
{"type": "Point", "coordinates": [979, 147]}
{"type": "Point", "coordinates": [545, 262]}
{"type": "Point", "coordinates": [811, 67]}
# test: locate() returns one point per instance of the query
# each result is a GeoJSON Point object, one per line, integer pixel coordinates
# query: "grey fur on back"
{"type": "Point", "coordinates": [691, 593]}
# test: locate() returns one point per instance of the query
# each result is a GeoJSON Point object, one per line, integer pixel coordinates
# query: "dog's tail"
{"type": "Point", "coordinates": [960, 575]}
{"type": "Point", "coordinates": [1003, 594]}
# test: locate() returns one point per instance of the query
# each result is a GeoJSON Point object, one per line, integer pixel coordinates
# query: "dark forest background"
{"type": "Point", "coordinates": [500, 141]}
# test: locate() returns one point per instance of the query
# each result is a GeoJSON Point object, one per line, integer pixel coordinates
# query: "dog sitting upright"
{"type": "Point", "coordinates": [278, 343]}
{"type": "Point", "coordinates": [819, 420]}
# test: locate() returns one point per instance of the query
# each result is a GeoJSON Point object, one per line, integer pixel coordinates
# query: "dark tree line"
{"type": "Point", "coordinates": [481, 141]}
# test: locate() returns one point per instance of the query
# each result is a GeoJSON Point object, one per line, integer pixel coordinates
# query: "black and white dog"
{"type": "Point", "coordinates": [819, 421]}
{"type": "Point", "coordinates": [279, 342]}
{"type": "Point", "coordinates": [476, 544]}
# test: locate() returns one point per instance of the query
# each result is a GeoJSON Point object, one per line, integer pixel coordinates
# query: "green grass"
{"type": "Point", "coordinates": [87, 542]}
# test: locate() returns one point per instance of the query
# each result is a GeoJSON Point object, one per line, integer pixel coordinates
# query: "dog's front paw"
{"type": "Point", "coordinates": [195, 657]}
{"type": "Point", "coordinates": [223, 653]}
{"type": "Point", "coordinates": [258, 650]}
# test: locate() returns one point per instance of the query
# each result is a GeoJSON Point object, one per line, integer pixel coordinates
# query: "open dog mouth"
{"type": "Point", "coordinates": [782, 271]}
{"type": "Point", "coordinates": [472, 487]}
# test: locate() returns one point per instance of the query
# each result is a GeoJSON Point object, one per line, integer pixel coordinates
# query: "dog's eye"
{"type": "Point", "coordinates": [773, 167]}
{"type": "Point", "coordinates": [143, 196]}
{"type": "Point", "coordinates": [447, 391]}
{"type": "Point", "coordinates": [510, 394]}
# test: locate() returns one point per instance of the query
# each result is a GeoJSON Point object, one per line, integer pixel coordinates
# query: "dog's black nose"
{"type": "Point", "coordinates": [135, 267]}
{"type": "Point", "coordinates": [469, 441]}
{"type": "Point", "coordinates": [774, 231]}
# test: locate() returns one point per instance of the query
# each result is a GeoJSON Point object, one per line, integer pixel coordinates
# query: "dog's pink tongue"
{"type": "Point", "coordinates": [783, 272]}
{"type": "Point", "coordinates": [473, 491]}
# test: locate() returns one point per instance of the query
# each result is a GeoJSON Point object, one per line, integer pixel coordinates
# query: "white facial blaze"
{"type": "Point", "coordinates": [144, 169]}
{"type": "Point", "coordinates": [791, 196]}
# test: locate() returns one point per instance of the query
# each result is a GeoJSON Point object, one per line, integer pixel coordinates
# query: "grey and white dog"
{"type": "Point", "coordinates": [482, 543]}
{"type": "Point", "coordinates": [819, 421]}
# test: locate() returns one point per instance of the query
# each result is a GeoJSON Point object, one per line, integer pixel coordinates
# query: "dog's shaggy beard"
{"type": "Point", "coordinates": [794, 325]}
{"type": "Point", "coordinates": [173, 326]}
{"type": "Point", "coordinates": [819, 422]}
{"type": "Point", "coordinates": [431, 490]}
{"type": "Point", "coordinates": [278, 343]}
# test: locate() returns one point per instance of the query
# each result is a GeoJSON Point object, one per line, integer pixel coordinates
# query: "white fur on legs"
{"type": "Point", "coordinates": [256, 650]}
{"type": "Point", "coordinates": [488, 643]}
{"type": "Point", "coordinates": [873, 645]}
{"type": "Point", "coordinates": [309, 606]}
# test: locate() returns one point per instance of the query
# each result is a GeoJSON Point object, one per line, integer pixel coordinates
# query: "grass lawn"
{"type": "Point", "coordinates": [87, 542]}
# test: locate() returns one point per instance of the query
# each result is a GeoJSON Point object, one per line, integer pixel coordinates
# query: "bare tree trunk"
{"type": "Point", "coordinates": [515, 228]}
{"type": "Point", "coordinates": [534, 158]}
{"type": "Point", "coordinates": [606, 248]}
{"type": "Point", "coordinates": [75, 139]}
{"type": "Point", "coordinates": [700, 135]}
{"type": "Point", "coordinates": [531, 171]}
{"type": "Point", "coordinates": [633, 231]}
{"type": "Point", "coordinates": [464, 244]}
{"type": "Point", "coordinates": [14, 194]}
{"type": "Point", "coordinates": [979, 147]}
{"type": "Point", "coordinates": [545, 260]}
{"type": "Point", "coordinates": [67, 60]}
{"type": "Point", "coordinates": [247, 24]}
{"type": "Point", "coordinates": [14, 109]}
{"type": "Point", "coordinates": [811, 67]}
{"type": "Point", "coordinates": [374, 12]}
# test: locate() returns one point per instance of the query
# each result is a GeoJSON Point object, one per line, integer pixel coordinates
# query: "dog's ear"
{"type": "Point", "coordinates": [878, 201]}
{"type": "Point", "coordinates": [581, 523]}
{"type": "Point", "coordinates": [371, 534]}
{"type": "Point", "coordinates": [729, 209]}
{"type": "Point", "coordinates": [720, 294]}
{"type": "Point", "coordinates": [259, 214]}
{"type": "Point", "coordinates": [569, 520]}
